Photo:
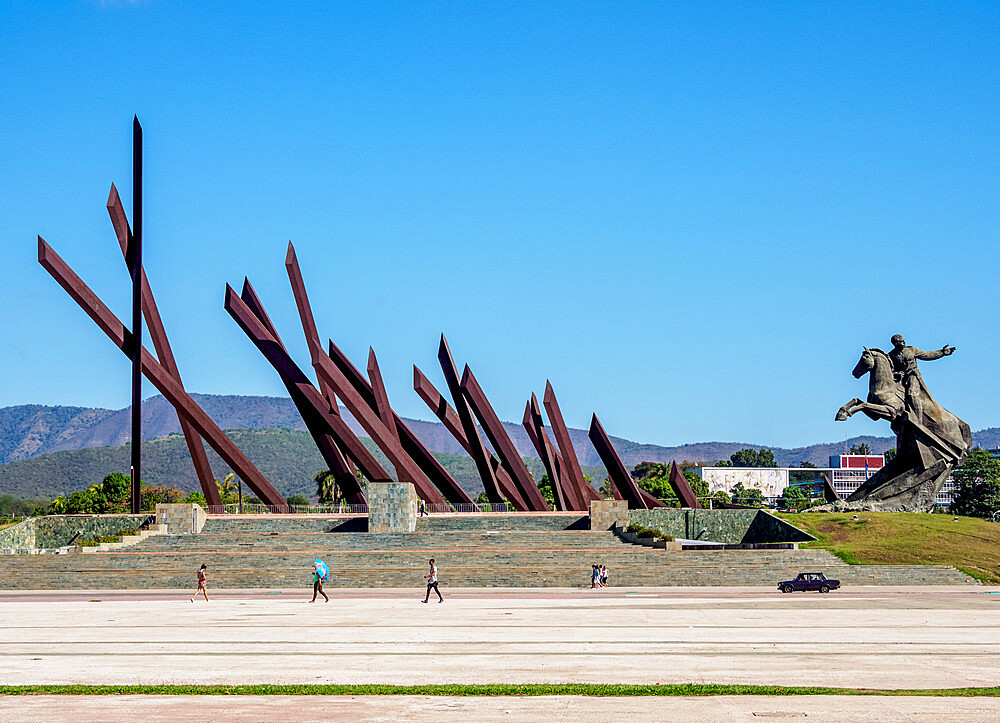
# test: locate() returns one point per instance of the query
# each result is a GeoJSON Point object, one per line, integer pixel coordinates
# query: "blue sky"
{"type": "Point", "coordinates": [690, 217]}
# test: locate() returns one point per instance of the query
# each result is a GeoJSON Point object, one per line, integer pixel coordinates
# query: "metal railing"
{"type": "Point", "coordinates": [466, 508]}
{"type": "Point", "coordinates": [261, 509]}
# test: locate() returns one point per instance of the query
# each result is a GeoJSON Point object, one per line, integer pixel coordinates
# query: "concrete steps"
{"type": "Point", "coordinates": [463, 568]}
{"type": "Point", "coordinates": [471, 551]}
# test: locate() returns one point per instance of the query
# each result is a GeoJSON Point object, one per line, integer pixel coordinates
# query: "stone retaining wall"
{"type": "Point", "coordinates": [727, 526]}
{"type": "Point", "coordinates": [55, 531]}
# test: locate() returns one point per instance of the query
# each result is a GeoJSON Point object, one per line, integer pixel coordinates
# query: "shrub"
{"type": "Point", "coordinates": [642, 531]}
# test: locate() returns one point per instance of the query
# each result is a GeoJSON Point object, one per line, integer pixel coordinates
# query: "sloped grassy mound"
{"type": "Point", "coordinates": [907, 538]}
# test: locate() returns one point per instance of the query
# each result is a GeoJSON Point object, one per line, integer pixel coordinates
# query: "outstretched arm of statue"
{"type": "Point", "coordinates": [931, 355]}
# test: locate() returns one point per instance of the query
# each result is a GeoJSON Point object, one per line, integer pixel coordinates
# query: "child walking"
{"type": "Point", "coordinates": [202, 584]}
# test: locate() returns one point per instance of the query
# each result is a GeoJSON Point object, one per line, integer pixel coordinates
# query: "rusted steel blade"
{"type": "Point", "coordinates": [682, 489]}
{"type": "Point", "coordinates": [314, 407]}
{"type": "Point", "coordinates": [497, 488]}
{"type": "Point", "coordinates": [532, 422]}
{"type": "Point", "coordinates": [504, 447]}
{"type": "Point", "coordinates": [306, 316]}
{"type": "Point", "coordinates": [406, 468]}
{"type": "Point", "coordinates": [498, 478]}
{"type": "Point", "coordinates": [382, 407]}
{"type": "Point", "coordinates": [163, 352]}
{"type": "Point", "coordinates": [295, 381]}
{"type": "Point", "coordinates": [309, 325]}
{"type": "Point", "coordinates": [411, 444]}
{"type": "Point", "coordinates": [426, 390]}
{"type": "Point", "coordinates": [249, 296]}
{"type": "Point", "coordinates": [580, 492]}
{"type": "Point", "coordinates": [159, 376]}
{"type": "Point", "coordinates": [621, 480]}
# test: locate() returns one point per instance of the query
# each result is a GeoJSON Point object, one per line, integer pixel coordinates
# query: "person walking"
{"type": "Point", "coordinates": [202, 584]}
{"type": "Point", "coordinates": [320, 573]}
{"type": "Point", "coordinates": [595, 576]}
{"type": "Point", "coordinates": [604, 576]}
{"type": "Point", "coordinates": [432, 582]}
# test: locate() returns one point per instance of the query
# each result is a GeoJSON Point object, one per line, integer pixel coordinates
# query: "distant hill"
{"type": "Point", "coordinates": [287, 457]}
{"type": "Point", "coordinates": [31, 431]}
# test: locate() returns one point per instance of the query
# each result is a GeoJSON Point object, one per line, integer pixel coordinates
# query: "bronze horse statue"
{"type": "Point", "coordinates": [886, 399]}
{"type": "Point", "coordinates": [932, 423]}
{"type": "Point", "coordinates": [930, 440]}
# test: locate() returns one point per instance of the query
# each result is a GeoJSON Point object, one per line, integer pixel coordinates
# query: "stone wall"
{"type": "Point", "coordinates": [19, 537]}
{"type": "Point", "coordinates": [55, 531]}
{"type": "Point", "coordinates": [605, 514]}
{"type": "Point", "coordinates": [731, 527]}
{"type": "Point", "coordinates": [285, 524]}
{"type": "Point", "coordinates": [392, 507]}
{"type": "Point", "coordinates": [181, 519]}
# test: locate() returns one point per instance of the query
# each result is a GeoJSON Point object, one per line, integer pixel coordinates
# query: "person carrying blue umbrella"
{"type": "Point", "coordinates": [320, 573]}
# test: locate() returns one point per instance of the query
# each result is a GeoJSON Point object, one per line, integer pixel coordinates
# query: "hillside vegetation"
{"type": "Point", "coordinates": [30, 430]}
{"type": "Point", "coordinates": [906, 538]}
{"type": "Point", "coordinates": [287, 457]}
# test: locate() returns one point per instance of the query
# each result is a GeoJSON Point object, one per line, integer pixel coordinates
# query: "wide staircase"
{"type": "Point", "coordinates": [471, 551]}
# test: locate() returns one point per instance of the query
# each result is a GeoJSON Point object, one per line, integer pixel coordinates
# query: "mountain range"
{"type": "Point", "coordinates": [37, 442]}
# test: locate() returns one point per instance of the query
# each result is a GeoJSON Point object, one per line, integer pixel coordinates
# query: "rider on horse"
{"type": "Point", "coordinates": [905, 371]}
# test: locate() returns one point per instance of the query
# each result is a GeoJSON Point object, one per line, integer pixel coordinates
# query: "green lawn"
{"type": "Point", "coordinates": [907, 538]}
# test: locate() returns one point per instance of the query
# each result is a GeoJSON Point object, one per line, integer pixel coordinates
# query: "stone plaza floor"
{"type": "Point", "coordinates": [578, 709]}
{"type": "Point", "coordinates": [866, 637]}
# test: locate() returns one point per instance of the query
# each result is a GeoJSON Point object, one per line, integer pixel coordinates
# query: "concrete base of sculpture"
{"type": "Point", "coordinates": [392, 507]}
{"type": "Point", "coordinates": [606, 514]}
{"type": "Point", "coordinates": [909, 482]}
{"type": "Point", "coordinates": [181, 519]}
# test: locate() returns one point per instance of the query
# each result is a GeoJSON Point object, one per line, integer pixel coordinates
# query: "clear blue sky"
{"type": "Point", "coordinates": [690, 217]}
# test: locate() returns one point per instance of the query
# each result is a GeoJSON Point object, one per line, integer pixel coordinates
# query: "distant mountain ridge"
{"type": "Point", "coordinates": [287, 457]}
{"type": "Point", "coordinates": [31, 430]}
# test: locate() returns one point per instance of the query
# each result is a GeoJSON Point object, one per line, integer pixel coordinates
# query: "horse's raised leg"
{"type": "Point", "coordinates": [849, 409]}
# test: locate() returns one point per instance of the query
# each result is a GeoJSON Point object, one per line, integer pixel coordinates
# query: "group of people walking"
{"type": "Point", "coordinates": [321, 573]}
{"type": "Point", "coordinates": [598, 576]}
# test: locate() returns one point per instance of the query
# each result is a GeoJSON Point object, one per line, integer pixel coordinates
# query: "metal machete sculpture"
{"type": "Point", "coordinates": [930, 440]}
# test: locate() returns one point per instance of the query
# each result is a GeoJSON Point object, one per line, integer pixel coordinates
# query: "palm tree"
{"type": "Point", "coordinates": [228, 486]}
{"type": "Point", "coordinates": [327, 489]}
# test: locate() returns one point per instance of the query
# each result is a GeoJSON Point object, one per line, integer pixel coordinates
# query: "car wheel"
{"type": "Point", "coordinates": [824, 588]}
{"type": "Point", "coordinates": [787, 588]}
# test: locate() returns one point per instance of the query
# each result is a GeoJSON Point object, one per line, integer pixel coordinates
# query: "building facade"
{"type": "Point", "coordinates": [846, 473]}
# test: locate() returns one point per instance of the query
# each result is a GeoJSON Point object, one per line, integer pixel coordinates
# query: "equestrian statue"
{"type": "Point", "coordinates": [930, 440]}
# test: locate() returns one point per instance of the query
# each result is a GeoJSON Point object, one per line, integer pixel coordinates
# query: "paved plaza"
{"type": "Point", "coordinates": [436, 708]}
{"type": "Point", "coordinates": [858, 637]}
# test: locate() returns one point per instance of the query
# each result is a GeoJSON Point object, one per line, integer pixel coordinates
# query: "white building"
{"type": "Point", "coordinates": [846, 473]}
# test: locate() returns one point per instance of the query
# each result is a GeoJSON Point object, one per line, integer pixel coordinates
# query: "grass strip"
{"type": "Point", "coordinates": [588, 689]}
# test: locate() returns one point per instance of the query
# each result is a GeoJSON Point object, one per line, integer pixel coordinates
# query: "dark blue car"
{"type": "Point", "coordinates": [809, 581]}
